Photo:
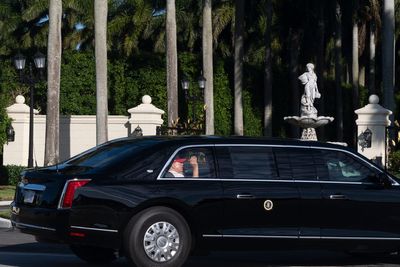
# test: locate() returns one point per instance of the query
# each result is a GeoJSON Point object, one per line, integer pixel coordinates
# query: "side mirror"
{"type": "Point", "coordinates": [383, 180]}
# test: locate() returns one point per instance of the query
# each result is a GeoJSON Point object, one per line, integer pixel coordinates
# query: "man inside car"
{"type": "Point", "coordinates": [176, 169]}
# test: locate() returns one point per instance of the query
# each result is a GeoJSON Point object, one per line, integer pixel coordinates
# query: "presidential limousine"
{"type": "Point", "coordinates": [157, 199]}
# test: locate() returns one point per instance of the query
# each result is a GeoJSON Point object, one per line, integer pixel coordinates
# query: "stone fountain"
{"type": "Point", "coordinates": [309, 119]}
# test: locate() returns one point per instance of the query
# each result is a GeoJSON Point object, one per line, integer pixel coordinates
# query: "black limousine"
{"type": "Point", "coordinates": [157, 199]}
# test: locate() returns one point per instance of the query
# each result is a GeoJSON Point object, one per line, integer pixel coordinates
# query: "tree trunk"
{"type": "Point", "coordinates": [372, 52]}
{"type": "Point", "coordinates": [294, 50]}
{"type": "Point", "coordinates": [355, 66]}
{"type": "Point", "coordinates": [388, 78]}
{"type": "Point", "coordinates": [361, 75]}
{"type": "Point", "coordinates": [355, 72]}
{"type": "Point", "coordinates": [338, 73]}
{"type": "Point", "coordinates": [321, 63]}
{"type": "Point", "coordinates": [208, 66]}
{"type": "Point", "coordinates": [268, 73]}
{"type": "Point", "coordinates": [238, 68]}
{"type": "Point", "coordinates": [172, 64]}
{"type": "Point", "coordinates": [100, 18]}
{"type": "Point", "coordinates": [52, 144]}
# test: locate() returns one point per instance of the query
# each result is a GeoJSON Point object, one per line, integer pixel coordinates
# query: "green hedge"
{"type": "Point", "coordinates": [10, 174]}
{"type": "Point", "coordinates": [131, 78]}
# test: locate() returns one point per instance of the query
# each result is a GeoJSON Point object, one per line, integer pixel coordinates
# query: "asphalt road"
{"type": "Point", "coordinates": [21, 250]}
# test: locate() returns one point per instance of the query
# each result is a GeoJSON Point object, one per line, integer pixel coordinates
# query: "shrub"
{"type": "Point", "coordinates": [10, 174]}
{"type": "Point", "coordinates": [394, 162]}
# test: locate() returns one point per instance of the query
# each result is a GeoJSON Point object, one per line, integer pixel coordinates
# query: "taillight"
{"type": "Point", "coordinates": [69, 191]}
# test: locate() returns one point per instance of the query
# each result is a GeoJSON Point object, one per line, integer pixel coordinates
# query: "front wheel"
{"type": "Point", "coordinates": [157, 237]}
{"type": "Point", "coordinates": [92, 254]}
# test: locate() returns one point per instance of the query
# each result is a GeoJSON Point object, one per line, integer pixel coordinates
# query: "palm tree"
{"type": "Point", "coordinates": [100, 18]}
{"type": "Point", "coordinates": [208, 66]}
{"type": "Point", "coordinates": [338, 72]}
{"type": "Point", "coordinates": [223, 20]}
{"type": "Point", "coordinates": [132, 22]}
{"type": "Point", "coordinates": [238, 68]}
{"type": "Point", "coordinates": [34, 25]}
{"type": "Point", "coordinates": [388, 54]}
{"type": "Point", "coordinates": [268, 72]}
{"type": "Point", "coordinates": [172, 63]}
{"type": "Point", "coordinates": [355, 65]}
{"type": "Point", "coordinates": [54, 48]}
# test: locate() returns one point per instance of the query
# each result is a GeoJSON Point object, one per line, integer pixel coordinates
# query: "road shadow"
{"type": "Point", "coordinates": [289, 258]}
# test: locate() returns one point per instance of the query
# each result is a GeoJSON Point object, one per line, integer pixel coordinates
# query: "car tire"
{"type": "Point", "coordinates": [157, 237]}
{"type": "Point", "coordinates": [93, 254]}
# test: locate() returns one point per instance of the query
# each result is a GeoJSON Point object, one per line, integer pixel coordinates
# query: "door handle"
{"type": "Point", "coordinates": [337, 197]}
{"type": "Point", "coordinates": [244, 196]}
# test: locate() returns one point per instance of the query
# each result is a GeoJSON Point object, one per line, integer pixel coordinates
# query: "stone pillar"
{"type": "Point", "coordinates": [147, 116]}
{"type": "Point", "coordinates": [376, 118]}
{"type": "Point", "coordinates": [16, 153]}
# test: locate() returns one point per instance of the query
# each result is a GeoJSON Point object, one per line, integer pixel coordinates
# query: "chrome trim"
{"type": "Point", "coordinates": [245, 196]}
{"type": "Point", "coordinates": [263, 236]}
{"type": "Point", "coordinates": [35, 187]}
{"type": "Point", "coordinates": [25, 225]}
{"type": "Point", "coordinates": [94, 229]}
{"type": "Point", "coordinates": [263, 181]}
{"type": "Point", "coordinates": [205, 235]}
{"type": "Point", "coordinates": [395, 183]}
{"type": "Point", "coordinates": [305, 237]}
{"type": "Point", "coordinates": [253, 236]}
{"type": "Point", "coordinates": [359, 238]}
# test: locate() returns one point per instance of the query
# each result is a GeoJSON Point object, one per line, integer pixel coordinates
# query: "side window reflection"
{"type": "Point", "coordinates": [192, 163]}
{"type": "Point", "coordinates": [343, 167]}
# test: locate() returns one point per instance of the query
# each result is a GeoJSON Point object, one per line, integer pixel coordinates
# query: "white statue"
{"type": "Point", "coordinates": [309, 119]}
{"type": "Point", "coordinates": [309, 80]}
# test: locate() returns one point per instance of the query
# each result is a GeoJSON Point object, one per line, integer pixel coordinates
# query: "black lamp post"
{"type": "Point", "coordinates": [189, 97]}
{"type": "Point", "coordinates": [40, 62]}
{"type": "Point", "coordinates": [10, 133]}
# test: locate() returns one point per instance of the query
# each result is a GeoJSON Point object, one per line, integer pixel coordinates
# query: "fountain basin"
{"type": "Point", "coordinates": [308, 121]}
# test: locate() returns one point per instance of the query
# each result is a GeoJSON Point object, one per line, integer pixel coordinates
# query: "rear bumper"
{"type": "Point", "coordinates": [52, 225]}
{"type": "Point", "coordinates": [46, 224]}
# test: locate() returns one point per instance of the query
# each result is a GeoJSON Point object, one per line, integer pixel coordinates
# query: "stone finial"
{"type": "Point", "coordinates": [20, 99]}
{"type": "Point", "coordinates": [373, 99]}
{"type": "Point", "coordinates": [146, 99]}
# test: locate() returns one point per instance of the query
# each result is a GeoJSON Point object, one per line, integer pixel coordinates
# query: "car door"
{"type": "Point", "coordinates": [355, 205]}
{"type": "Point", "coordinates": [298, 163]}
{"type": "Point", "coordinates": [200, 196]}
{"type": "Point", "coordinates": [258, 203]}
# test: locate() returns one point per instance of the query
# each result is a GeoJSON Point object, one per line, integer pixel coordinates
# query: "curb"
{"type": "Point", "coordinates": [4, 223]}
{"type": "Point", "coordinates": [5, 203]}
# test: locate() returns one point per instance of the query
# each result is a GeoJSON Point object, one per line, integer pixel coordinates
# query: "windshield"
{"type": "Point", "coordinates": [108, 153]}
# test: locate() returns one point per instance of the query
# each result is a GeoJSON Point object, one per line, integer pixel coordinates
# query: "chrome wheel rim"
{"type": "Point", "coordinates": [161, 241]}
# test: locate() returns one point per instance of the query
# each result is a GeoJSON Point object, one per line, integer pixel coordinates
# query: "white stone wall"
{"type": "Point", "coordinates": [77, 133]}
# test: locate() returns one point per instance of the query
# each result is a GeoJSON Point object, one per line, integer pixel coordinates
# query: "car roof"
{"type": "Point", "coordinates": [212, 139]}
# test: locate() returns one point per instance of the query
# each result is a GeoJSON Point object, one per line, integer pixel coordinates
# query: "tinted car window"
{"type": "Point", "coordinates": [247, 162]}
{"type": "Point", "coordinates": [339, 166]}
{"type": "Point", "coordinates": [105, 154]}
{"type": "Point", "coordinates": [202, 155]}
{"type": "Point", "coordinates": [296, 163]}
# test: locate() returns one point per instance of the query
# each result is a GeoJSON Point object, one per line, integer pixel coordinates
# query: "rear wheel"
{"type": "Point", "coordinates": [157, 237]}
{"type": "Point", "coordinates": [94, 254]}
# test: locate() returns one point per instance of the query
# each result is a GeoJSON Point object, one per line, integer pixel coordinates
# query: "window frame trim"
{"type": "Point", "coordinates": [159, 177]}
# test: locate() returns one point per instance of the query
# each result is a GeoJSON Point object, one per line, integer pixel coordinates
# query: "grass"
{"type": "Point", "coordinates": [7, 192]}
{"type": "Point", "coordinates": [6, 214]}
